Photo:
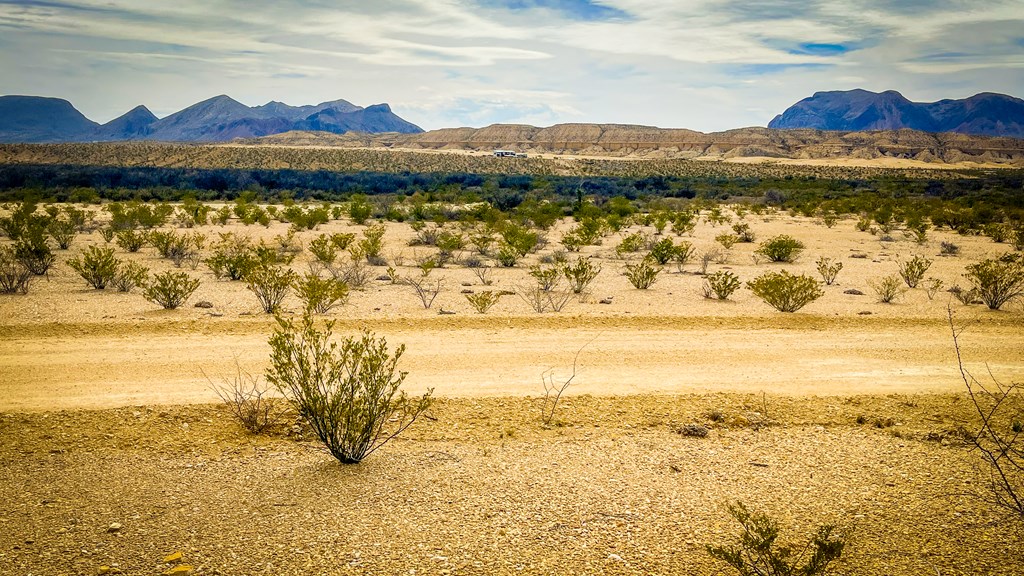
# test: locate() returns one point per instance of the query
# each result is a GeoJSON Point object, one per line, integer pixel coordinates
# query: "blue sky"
{"type": "Point", "coordinates": [705, 65]}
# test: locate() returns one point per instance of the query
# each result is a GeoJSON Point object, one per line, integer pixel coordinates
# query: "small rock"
{"type": "Point", "coordinates": [606, 300]}
{"type": "Point", "coordinates": [615, 558]}
{"type": "Point", "coordinates": [467, 283]}
{"type": "Point", "coordinates": [179, 570]}
{"type": "Point", "coordinates": [444, 312]}
{"type": "Point", "coordinates": [384, 278]}
{"type": "Point", "coordinates": [466, 291]}
{"type": "Point", "coordinates": [853, 291]}
{"type": "Point", "coordinates": [103, 570]}
{"type": "Point", "coordinates": [173, 558]}
{"type": "Point", "coordinates": [694, 430]}
{"type": "Point", "coordinates": [865, 313]}
{"type": "Point", "coordinates": [114, 528]}
{"type": "Point", "coordinates": [204, 304]}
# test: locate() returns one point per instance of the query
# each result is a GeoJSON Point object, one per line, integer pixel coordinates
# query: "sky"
{"type": "Point", "coordinates": [706, 65]}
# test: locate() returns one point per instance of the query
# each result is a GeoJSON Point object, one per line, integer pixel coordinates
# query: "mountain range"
{"type": "Point", "coordinates": [34, 119]}
{"type": "Point", "coordinates": [985, 114]}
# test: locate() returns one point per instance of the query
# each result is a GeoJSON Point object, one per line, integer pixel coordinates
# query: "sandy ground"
{"type": "Point", "coordinates": [65, 345]}
{"type": "Point", "coordinates": [847, 412]}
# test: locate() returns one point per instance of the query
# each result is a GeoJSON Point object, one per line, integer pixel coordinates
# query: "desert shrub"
{"type": "Point", "coordinates": [580, 274]}
{"type": "Point", "coordinates": [270, 284]}
{"type": "Point", "coordinates": [507, 255]}
{"type": "Point", "coordinates": [684, 252]}
{"type": "Point", "coordinates": [965, 296]}
{"type": "Point", "coordinates": [684, 222]}
{"type": "Point", "coordinates": [932, 287]}
{"type": "Point", "coordinates": [320, 295]}
{"type": "Point", "coordinates": [425, 289]}
{"type": "Point", "coordinates": [483, 274]}
{"type": "Point", "coordinates": [781, 248]}
{"type": "Point", "coordinates": [132, 240]}
{"type": "Point", "coordinates": [129, 275]}
{"type": "Point", "coordinates": [663, 251]}
{"type": "Point", "coordinates": [519, 240]}
{"type": "Point", "coordinates": [948, 248]}
{"type": "Point", "coordinates": [107, 233]}
{"type": "Point", "coordinates": [359, 210]}
{"type": "Point", "coordinates": [372, 244]}
{"type": "Point", "coordinates": [544, 300]}
{"type": "Point", "coordinates": [758, 554]}
{"type": "Point", "coordinates": [170, 289]}
{"type": "Point", "coordinates": [15, 277]}
{"type": "Point", "coordinates": [887, 288]}
{"type": "Point", "coordinates": [784, 291]}
{"type": "Point", "coordinates": [31, 248]}
{"type": "Point", "coordinates": [547, 277]}
{"type": "Point", "coordinates": [448, 244]}
{"type": "Point", "coordinates": [97, 266]}
{"type": "Point", "coordinates": [997, 281]}
{"type": "Point", "coordinates": [1017, 237]}
{"type": "Point", "coordinates": [633, 243]}
{"type": "Point", "coordinates": [235, 256]}
{"type": "Point", "coordinates": [913, 270]}
{"type": "Point", "coordinates": [720, 285]}
{"type": "Point", "coordinates": [743, 233]}
{"type": "Point", "coordinates": [347, 391]}
{"type": "Point", "coordinates": [727, 240]}
{"type": "Point", "coordinates": [710, 255]}
{"type": "Point", "coordinates": [483, 301]}
{"type": "Point", "coordinates": [642, 275]}
{"type": "Point", "coordinates": [62, 231]}
{"type": "Point", "coordinates": [828, 269]}
{"type": "Point", "coordinates": [249, 400]}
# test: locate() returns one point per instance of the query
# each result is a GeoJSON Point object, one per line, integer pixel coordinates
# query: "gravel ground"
{"type": "Point", "coordinates": [481, 487]}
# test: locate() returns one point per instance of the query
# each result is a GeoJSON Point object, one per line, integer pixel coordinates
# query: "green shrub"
{"type": "Point", "coordinates": [97, 266]}
{"type": "Point", "coordinates": [642, 275]}
{"type": "Point", "coordinates": [828, 269]}
{"type": "Point", "coordinates": [320, 295]}
{"type": "Point", "coordinates": [743, 233]}
{"type": "Point", "coordinates": [720, 284]}
{"type": "Point", "coordinates": [784, 291]}
{"type": "Point", "coordinates": [912, 271]}
{"type": "Point", "coordinates": [663, 251]}
{"type": "Point", "coordinates": [997, 281]}
{"type": "Point", "coordinates": [14, 275]}
{"type": "Point", "coordinates": [170, 289]}
{"type": "Point", "coordinates": [348, 392]}
{"type": "Point", "coordinates": [781, 248]}
{"type": "Point", "coordinates": [33, 251]}
{"type": "Point", "coordinates": [580, 274]}
{"type": "Point", "coordinates": [270, 284]}
{"type": "Point", "coordinates": [758, 554]}
{"type": "Point", "coordinates": [635, 242]}
{"type": "Point", "coordinates": [372, 244]}
{"type": "Point", "coordinates": [888, 288]}
{"type": "Point", "coordinates": [129, 275]}
{"type": "Point", "coordinates": [132, 240]}
{"type": "Point", "coordinates": [62, 231]}
{"type": "Point", "coordinates": [483, 301]}
{"type": "Point", "coordinates": [546, 277]}
{"type": "Point", "coordinates": [727, 240]}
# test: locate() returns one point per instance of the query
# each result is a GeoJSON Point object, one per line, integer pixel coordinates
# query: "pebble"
{"type": "Point", "coordinates": [114, 528]}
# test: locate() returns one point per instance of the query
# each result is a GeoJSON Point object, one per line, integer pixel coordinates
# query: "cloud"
{"type": "Point", "coordinates": [706, 65]}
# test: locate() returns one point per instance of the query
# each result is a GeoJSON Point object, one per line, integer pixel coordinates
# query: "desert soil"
{"type": "Point", "coordinates": [109, 418]}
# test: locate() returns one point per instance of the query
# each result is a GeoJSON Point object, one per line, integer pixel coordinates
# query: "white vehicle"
{"type": "Point", "coordinates": [508, 154]}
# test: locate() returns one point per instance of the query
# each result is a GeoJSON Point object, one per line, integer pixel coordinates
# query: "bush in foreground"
{"type": "Point", "coordinates": [270, 284]}
{"type": "Point", "coordinates": [170, 289]}
{"type": "Point", "coordinates": [758, 554]}
{"type": "Point", "coordinates": [784, 291]}
{"type": "Point", "coordinates": [14, 275]}
{"type": "Point", "coordinates": [347, 391]}
{"type": "Point", "coordinates": [720, 285]}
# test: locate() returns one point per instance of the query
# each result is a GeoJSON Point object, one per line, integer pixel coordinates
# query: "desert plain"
{"type": "Point", "coordinates": [117, 454]}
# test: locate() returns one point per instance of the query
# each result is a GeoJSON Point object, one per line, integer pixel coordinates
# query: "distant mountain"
{"type": "Point", "coordinates": [985, 114]}
{"type": "Point", "coordinates": [33, 119]}
{"type": "Point", "coordinates": [37, 119]}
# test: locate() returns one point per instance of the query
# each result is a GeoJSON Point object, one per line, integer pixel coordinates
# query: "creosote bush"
{"type": "Point", "coordinates": [483, 301]}
{"type": "Point", "coordinates": [320, 295]}
{"type": "Point", "coordinates": [270, 284]}
{"type": "Point", "coordinates": [720, 285]}
{"type": "Point", "coordinates": [132, 240]}
{"type": "Point", "coordinates": [887, 288]}
{"type": "Point", "coordinates": [170, 289]}
{"type": "Point", "coordinates": [784, 291]}
{"type": "Point", "coordinates": [249, 400]}
{"type": "Point", "coordinates": [997, 281]}
{"type": "Point", "coordinates": [347, 391]}
{"type": "Point", "coordinates": [14, 275]}
{"type": "Point", "coordinates": [781, 248]}
{"type": "Point", "coordinates": [828, 269]}
{"type": "Point", "coordinates": [129, 275]}
{"type": "Point", "coordinates": [97, 266]}
{"type": "Point", "coordinates": [912, 271]}
{"type": "Point", "coordinates": [580, 274]}
{"type": "Point", "coordinates": [642, 275]}
{"type": "Point", "coordinates": [758, 554]}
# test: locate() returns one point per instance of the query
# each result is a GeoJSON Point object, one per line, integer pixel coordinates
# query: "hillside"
{"type": "Point", "coordinates": [31, 119]}
{"type": "Point", "coordinates": [986, 114]}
